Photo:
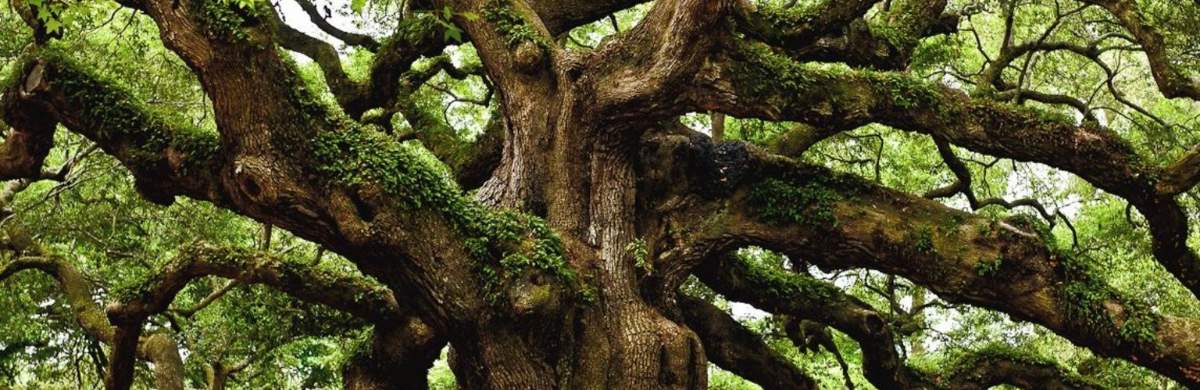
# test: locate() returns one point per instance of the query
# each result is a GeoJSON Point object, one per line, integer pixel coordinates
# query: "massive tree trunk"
{"type": "Point", "coordinates": [561, 271]}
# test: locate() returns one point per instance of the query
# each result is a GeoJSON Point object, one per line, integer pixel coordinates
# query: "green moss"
{"type": "Point", "coordinates": [763, 72]}
{"type": "Point", "coordinates": [906, 92]}
{"type": "Point", "coordinates": [808, 203]}
{"type": "Point", "coordinates": [13, 74]}
{"type": "Point", "coordinates": [781, 18]}
{"type": "Point", "coordinates": [225, 19]}
{"type": "Point", "coordinates": [507, 244]}
{"type": "Point", "coordinates": [510, 23]}
{"type": "Point", "coordinates": [986, 268]}
{"type": "Point", "coordinates": [922, 240]}
{"type": "Point", "coordinates": [640, 254]}
{"type": "Point", "coordinates": [117, 117]}
{"type": "Point", "coordinates": [958, 362]}
{"type": "Point", "coordinates": [785, 285]}
{"type": "Point", "coordinates": [1084, 297]}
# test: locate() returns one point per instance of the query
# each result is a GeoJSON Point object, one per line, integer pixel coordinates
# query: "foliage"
{"type": "Point", "coordinates": [97, 220]}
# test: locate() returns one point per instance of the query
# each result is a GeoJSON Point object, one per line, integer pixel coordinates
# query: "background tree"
{"type": "Point", "coordinates": [593, 194]}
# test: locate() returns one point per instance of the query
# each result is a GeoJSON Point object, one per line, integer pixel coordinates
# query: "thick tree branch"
{"type": "Point", "coordinates": [793, 294]}
{"type": "Point", "coordinates": [794, 29]}
{"type": "Point", "coordinates": [731, 346]}
{"type": "Point", "coordinates": [838, 33]}
{"type": "Point", "coordinates": [839, 222]}
{"type": "Point", "coordinates": [29, 140]}
{"type": "Point", "coordinates": [658, 55]}
{"type": "Point", "coordinates": [805, 297]}
{"type": "Point", "coordinates": [1182, 175]}
{"type": "Point", "coordinates": [754, 82]}
{"type": "Point", "coordinates": [1002, 365]}
{"type": "Point", "coordinates": [166, 159]}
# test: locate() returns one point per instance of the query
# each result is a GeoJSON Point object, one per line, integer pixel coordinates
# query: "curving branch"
{"type": "Point", "coordinates": [731, 346]}
{"type": "Point", "coordinates": [1172, 82]}
{"type": "Point", "coordinates": [839, 222]}
{"type": "Point", "coordinates": [349, 38]}
{"type": "Point", "coordinates": [1003, 365]}
{"type": "Point", "coordinates": [962, 184]}
{"type": "Point", "coordinates": [803, 296]}
{"type": "Point", "coordinates": [120, 324]}
{"type": "Point", "coordinates": [166, 159]}
{"type": "Point", "coordinates": [159, 349]}
{"type": "Point", "coordinates": [846, 100]}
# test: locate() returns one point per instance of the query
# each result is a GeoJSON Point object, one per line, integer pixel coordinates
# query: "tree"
{"type": "Point", "coordinates": [555, 249]}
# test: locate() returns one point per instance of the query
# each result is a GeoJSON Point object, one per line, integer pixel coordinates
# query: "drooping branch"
{"type": "Point", "coordinates": [805, 297]}
{"type": "Point", "coordinates": [119, 324]}
{"type": "Point", "coordinates": [350, 294]}
{"type": "Point", "coordinates": [793, 294]}
{"type": "Point", "coordinates": [166, 159]}
{"type": "Point", "coordinates": [755, 82]}
{"type": "Point", "coordinates": [731, 346]}
{"type": "Point", "coordinates": [157, 348]}
{"type": "Point", "coordinates": [1003, 365]}
{"type": "Point", "coordinates": [838, 222]}
{"type": "Point", "coordinates": [1172, 82]}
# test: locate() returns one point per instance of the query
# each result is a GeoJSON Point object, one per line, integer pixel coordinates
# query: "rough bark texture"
{"type": "Point", "coordinates": [593, 205]}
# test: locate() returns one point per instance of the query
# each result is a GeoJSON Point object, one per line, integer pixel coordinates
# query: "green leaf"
{"type": "Point", "coordinates": [453, 33]}
{"type": "Point", "coordinates": [357, 5]}
{"type": "Point", "coordinates": [53, 25]}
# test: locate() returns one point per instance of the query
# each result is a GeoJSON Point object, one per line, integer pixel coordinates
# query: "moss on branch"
{"type": "Point", "coordinates": [146, 140]}
{"type": "Point", "coordinates": [510, 24]}
{"type": "Point", "coordinates": [227, 19]}
{"type": "Point", "coordinates": [507, 244]}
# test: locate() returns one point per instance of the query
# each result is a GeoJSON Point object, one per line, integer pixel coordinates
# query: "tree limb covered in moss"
{"type": "Point", "coordinates": [166, 159]}
{"type": "Point", "coordinates": [849, 99]}
{"type": "Point", "coordinates": [783, 292]}
{"type": "Point", "coordinates": [837, 222]}
{"type": "Point", "coordinates": [805, 297]}
{"type": "Point", "coordinates": [841, 33]}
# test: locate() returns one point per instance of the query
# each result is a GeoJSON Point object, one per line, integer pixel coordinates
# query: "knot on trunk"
{"type": "Point", "coordinates": [251, 178]}
{"type": "Point", "coordinates": [529, 57]}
